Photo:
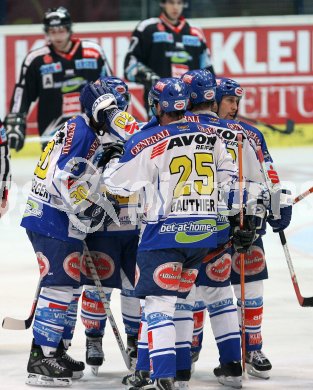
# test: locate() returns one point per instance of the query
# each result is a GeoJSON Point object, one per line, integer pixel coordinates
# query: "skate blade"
{"type": "Point", "coordinates": [256, 373]}
{"type": "Point", "coordinates": [46, 381]}
{"type": "Point", "coordinates": [230, 381]}
{"type": "Point", "coordinates": [77, 375]}
{"type": "Point", "coordinates": [94, 370]}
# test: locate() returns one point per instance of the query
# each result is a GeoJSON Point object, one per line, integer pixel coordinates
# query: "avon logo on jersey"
{"type": "Point", "coordinates": [51, 68]}
{"type": "Point", "coordinates": [86, 64]}
{"type": "Point", "coordinates": [187, 140]}
{"type": "Point", "coordinates": [190, 40]}
{"type": "Point", "coordinates": [160, 37]}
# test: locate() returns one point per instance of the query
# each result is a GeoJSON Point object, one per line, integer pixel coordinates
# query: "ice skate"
{"type": "Point", "coordinates": [138, 380]}
{"type": "Point", "coordinates": [77, 367]}
{"type": "Point", "coordinates": [165, 384]}
{"type": "Point", "coordinates": [46, 371]}
{"type": "Point", "coordinates": [94, 353]}
{"type": "Point", "coordinates": [229, 374]}
{"type": "Point", "coordinates": [258, 364]}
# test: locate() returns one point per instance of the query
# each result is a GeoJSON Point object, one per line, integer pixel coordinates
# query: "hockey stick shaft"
{"type": "Point", "coordinates": [303, 195]}
{"type": "Point", "coordinates": [288, 130]}
{"type": "Point", "coordinates": [242, 256]}
{"type": "Point", "coordinates": [15, 324]}
{"type": "Point", "coordinates": [217, 252]}
{"type": "Point", "coordinates": [106, 305]}
{"type": "Point", "coordinates": [303, 301]}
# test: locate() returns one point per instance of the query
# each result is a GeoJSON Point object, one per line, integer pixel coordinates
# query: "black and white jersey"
{"type": "Point", "coordinates": [56, 79]}
{"type": "Point", "coordinates": [167, 50]}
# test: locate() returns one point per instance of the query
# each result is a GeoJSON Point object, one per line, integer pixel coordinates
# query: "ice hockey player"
{"type": "Point", "coordinates": [167, 46]}
{"type": "Point", "coordinates": [179, 163]}
{"type": "Point", "coordinates": [65, 203]}
{"type": "Point", "coordinates": [252, 173]}
{"type": "Point", "coordinates": [229, 94]}
{"type": "Point", "coordinates": [113, 249]}
{"type": "Point", "coordinates": [5, 174]}
{"type": "Point", "coordinates": [54, 73]}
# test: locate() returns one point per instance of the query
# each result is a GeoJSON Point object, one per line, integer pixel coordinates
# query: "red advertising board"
{"type": "Point", "coordinates": [273, 63]}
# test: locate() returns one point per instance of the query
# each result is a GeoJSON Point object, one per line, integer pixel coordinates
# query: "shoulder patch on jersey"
{"type": "Point", "coordinates": [146, 23]}
{"type": "Point", "coordinates": [196, 31]}
{"type": "Point", "coordinates": [91, 44]}
{"type": "Point", "coordinates": [41, 51]}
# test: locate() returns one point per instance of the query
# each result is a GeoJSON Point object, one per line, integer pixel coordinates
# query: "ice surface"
{"type": "Point", "coordinates": [287, 328]}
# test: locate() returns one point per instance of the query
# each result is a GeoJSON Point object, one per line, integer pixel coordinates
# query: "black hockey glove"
{"type": "Point", "coordinates": [15, 125]}
{"type": "Point", "coordinates": [243, 238]}
{"type": "Point", "coordinates": [96, 215]}
{"type": "Point", "coordinates": [146, 77]}
{"type": "Point", "coordinates": [284, 200]}
{"type": "Point", "coordinates": [111, 150]}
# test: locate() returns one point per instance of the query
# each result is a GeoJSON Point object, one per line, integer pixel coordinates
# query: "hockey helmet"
{"type": "Point", "coordinates": [202, 85]}
{"type": "Point", "coordinates": [227, 87]}
{"type": "Point", "coordinates": [171, 93]}
{"type": "Point", "coordinates": [56, 17]}
{"type": "Point", "coordinates": [117, 85]}
{"type": "Point", "coordinates": [94, 97]}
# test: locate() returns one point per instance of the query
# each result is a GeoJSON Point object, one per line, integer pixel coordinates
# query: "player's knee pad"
{"type": "Point", "coordinates": [163, 305]}
{"type": "Point", "coordinates": [216, 296]}
{"type": "Point", "coordinates": [252, 290]}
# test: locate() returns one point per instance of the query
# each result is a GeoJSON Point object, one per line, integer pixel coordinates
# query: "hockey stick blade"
{"type": "Point", "coordinates": [307, 302]}
{"type": "Point", "coordinates": [15, 324]}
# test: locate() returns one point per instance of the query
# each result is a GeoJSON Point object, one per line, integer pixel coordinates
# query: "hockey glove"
{"type": "Point", "coordinates": [285, 208]}
{"type": "Point", "coordinates": [110, 151]}
{"type": "Point", "coordinates": [15, 125]}
{"type": "Point", "coordinates": [243, 238]}
{"type": "Point", "coordinates": [146, 76]}
{"type": "Point", "coordinates": [96, 215]}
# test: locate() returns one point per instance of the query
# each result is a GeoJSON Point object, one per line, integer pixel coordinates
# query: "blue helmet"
{"type": "Point", "coordinates": [92, 98]}
{"type": "Point", "coordinates": [171, 93]}
{"type": "Point", "coordinates": [119, 86]}
{"type": "Point", "coordinates": [202, 85]}
{"type": "Point", "coordinates": [227, 87]}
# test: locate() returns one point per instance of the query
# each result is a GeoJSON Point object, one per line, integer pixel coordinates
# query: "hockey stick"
{"type": "Point", "coordinates": [303, 195]}
{"type": "Point", "coordinates": [217, 252]}
{"type": "Point", "coordinates": [290, 125]}
{"type": "Point", "coordinates": [15, 324]}
{"type": "Point", "coordinates": [242, 256]}
{"type": "Point", "coordinates": [303, 301]}
{"type": "Point", "coordinates": [106, 305]}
